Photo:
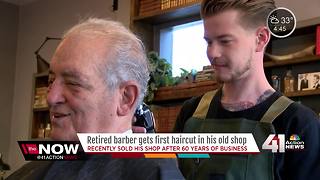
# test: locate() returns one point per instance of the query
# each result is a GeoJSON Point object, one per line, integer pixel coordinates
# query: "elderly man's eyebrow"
{"type": "Point", "coordinates": [79, 77]}
{"type": "Point", "coordinates": [76, 76]}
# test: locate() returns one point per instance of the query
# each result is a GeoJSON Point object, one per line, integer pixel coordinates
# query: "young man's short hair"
{"type": "Point", "coordinates": [253, 12]}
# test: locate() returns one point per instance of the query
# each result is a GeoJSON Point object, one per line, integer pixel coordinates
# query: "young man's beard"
{"type": "Point", "coordinates": [234, 76]}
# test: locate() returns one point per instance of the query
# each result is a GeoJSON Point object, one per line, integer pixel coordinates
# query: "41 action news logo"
{"type": "Point", "coordinates": [277, 143]}
{"type": "Point", "coordinates": [51, 150]}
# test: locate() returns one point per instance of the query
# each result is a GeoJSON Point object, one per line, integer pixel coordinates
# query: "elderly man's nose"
{"type": "Point", "coordinates": [55, 94]}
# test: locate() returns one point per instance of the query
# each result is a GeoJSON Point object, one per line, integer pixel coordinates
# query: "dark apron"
{"type": "Point", "coordinates": [230, 166]}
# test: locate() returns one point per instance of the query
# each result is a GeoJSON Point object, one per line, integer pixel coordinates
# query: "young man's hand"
{"type": "Point", "coordinates": [137, 129]}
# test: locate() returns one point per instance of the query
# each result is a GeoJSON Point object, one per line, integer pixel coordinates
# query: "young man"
{"type": "Point", "coordinates": [236, 34]}
{"type": "Point", "coordinates": [98, 77]}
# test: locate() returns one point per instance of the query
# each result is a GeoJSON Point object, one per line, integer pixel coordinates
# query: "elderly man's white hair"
{"type": "Point", "coordinates": [126, 54]}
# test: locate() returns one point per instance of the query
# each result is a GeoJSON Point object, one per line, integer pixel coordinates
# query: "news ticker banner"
{"type": "Point", "coordinates": [185, 145]}
{"type": "Point", "coordinates": [168, 145]}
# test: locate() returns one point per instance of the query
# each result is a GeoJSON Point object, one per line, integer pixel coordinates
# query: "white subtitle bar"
{"type": "Point", "coordinates": [168, 143]}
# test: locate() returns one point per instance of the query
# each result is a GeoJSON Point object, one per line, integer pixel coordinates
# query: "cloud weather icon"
{"type": "Point", "coordinates": [274, 20]}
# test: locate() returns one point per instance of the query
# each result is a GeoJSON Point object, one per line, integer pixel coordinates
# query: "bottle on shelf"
{"type": "Point", "coordinates": [41, 131]}
{"type": "Point", "coordinates": [275, 82]}
{"type": "Point", "coordinates": [47, 130]}
{"type": "Point", "coordinates": [288, 82]}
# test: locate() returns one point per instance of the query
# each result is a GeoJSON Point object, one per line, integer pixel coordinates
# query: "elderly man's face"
{"type": "Point", "coordinates": [78, 97]}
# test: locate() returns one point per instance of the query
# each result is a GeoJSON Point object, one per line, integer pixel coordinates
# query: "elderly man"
{"type": "Point", "coordinates": [98, 76]}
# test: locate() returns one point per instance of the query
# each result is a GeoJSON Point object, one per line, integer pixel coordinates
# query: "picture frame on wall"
{"type": "Point", "coordinates": [308, 81]}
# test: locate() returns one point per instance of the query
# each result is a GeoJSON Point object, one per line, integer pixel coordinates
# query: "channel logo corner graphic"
{"type": "Point", "coordinates": [276, 143]}
{"type": "Point", "coordinates": [51, 150]}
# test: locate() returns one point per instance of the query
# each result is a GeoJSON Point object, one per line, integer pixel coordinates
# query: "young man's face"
{"type": "Point", "coordinates": [78, 97]}
{"type": "Point", "coordinates": [230, 46]}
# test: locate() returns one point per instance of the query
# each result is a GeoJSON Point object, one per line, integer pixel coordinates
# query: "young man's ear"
{"type": "Point", "coordinates": [128, 97]}
{"type": "Point", "coordinates": [262, 38]}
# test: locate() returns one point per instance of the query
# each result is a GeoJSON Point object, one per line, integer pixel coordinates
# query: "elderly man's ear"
{"type": "Point", "coordinates": [128, 97]}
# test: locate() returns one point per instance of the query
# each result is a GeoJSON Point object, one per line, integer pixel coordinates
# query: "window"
{"type": "Point", "coordinates": [184, 47]}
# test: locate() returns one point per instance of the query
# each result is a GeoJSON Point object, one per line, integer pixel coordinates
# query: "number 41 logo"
{"type": "Point", "coordinates": [274, 142]}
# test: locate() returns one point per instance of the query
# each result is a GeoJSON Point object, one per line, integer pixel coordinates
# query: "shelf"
{"type": "Point", "coordinates": [171, 14]}
{"type": "Point", "coordinates": [303, 93]}
{"type": "Point", "coordinates": [184, 91]}
{"type": "Point", "coordinates": [39, 109]}
{"type": "Point", "coordinates": [40, 114]}
{"type": "Point", "coordinates": [40, 139]}
{"type": "Point", "coordinates": [291, 61]}
{"type": "Point", "coordinates": [44, 74]}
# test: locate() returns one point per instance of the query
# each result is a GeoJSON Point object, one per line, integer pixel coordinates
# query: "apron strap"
{"type": "Point", "coordinates": [280, 105]}
{"type": "Point", "coordinates": [276, 109]}
{"type": "Point", "coordinates": [203, 106]}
